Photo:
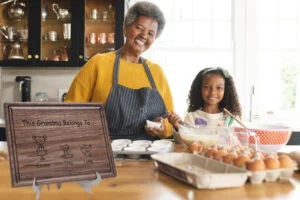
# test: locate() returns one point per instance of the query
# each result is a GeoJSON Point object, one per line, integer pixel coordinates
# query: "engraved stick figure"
{"type": "Point", "coordinates": [40, 141]}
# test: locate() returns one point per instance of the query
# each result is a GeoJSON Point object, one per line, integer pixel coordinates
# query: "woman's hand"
{"type": "Point", "coordinates": [174, 119]}
{"type": "Point", "coordinates": [156, 131]}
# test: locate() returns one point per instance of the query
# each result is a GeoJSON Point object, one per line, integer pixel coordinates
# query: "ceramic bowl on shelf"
{"type": "Point", "coordinates": [271, 137]}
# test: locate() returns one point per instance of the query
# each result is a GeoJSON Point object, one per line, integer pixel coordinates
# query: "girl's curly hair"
{"type": "Point", "coordinates": [230, 100]}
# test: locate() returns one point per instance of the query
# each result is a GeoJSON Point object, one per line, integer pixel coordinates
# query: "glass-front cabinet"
{"type": "Point", "coordinates": [58, 33]}
{"type": "Point", "coordinates": [55, 37]}
{"type": "Point", "coordinates": [14, 35]}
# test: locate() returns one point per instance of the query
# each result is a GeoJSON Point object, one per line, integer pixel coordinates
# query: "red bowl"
{"type": "Point", "coordinates": [271, 137]}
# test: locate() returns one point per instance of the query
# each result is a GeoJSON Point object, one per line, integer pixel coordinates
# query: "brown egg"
{"type": "Point", "coordinates": [247, 152]}
{"type": "Point", "coordinates": [230, 157]}
{"type": "Point", "coordinates": [220, 154]}
{"type": "Point", "coordinates": [237, 149]}
{"type": "Point", "coordinates": [227, 148]}
{"type": "Point", "coordinates": [286, 162]}
{"type": "Point", "coordinates": [210, 152]}
{"type": "Point", "coordinates": [275, 155]}
{"type": "Point", "coordinates": [196, 146]}
{"type": "Point", "coordinates": [256, 164]}
{"type": "Point", "coordinates": [241, 160]}
{"type": "Point", "coordinates": [272, 163]}
{"type": "Point", "coordinates": [216, 146]}
{"type": "Point", "coordinates": [259, 154]}
{"type": "Point", "coordinates": [250, 150]}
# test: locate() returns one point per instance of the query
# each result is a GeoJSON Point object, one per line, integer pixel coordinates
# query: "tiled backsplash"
{"type": "Point", "coordinates": [43, 79]}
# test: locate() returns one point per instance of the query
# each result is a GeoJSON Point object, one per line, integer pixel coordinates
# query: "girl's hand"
{"type": "Point", "coordinates": [156, 131]}
{"type": "Point", "coordinates": [174, 119]}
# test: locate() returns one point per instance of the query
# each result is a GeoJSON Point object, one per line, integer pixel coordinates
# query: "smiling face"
{"type": "Point", "coordinates": [140, 34]}
{"type": "Point", "coordinates": [213, 87]}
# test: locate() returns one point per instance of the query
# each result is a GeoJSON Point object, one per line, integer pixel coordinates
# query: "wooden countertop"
{"type": "Point", "coordinates": [140, 180]}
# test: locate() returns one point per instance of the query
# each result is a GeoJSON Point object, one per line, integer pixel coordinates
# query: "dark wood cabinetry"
{"type": "Point", "coordinates": [59, 33]}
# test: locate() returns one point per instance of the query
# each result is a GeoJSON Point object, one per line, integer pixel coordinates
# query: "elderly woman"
{"type": "Point", "coordinates": [132, 88]}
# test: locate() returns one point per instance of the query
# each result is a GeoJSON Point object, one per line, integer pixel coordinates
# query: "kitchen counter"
{"type": "Point", "coordinates": [140, 180]}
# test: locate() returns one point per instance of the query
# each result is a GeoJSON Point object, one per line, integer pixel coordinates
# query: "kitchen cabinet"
{"type": "Point", "coordinates": [58, 33]}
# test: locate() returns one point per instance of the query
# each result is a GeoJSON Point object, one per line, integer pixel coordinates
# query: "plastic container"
{"type": "Point", "coordinates": [41, 97]}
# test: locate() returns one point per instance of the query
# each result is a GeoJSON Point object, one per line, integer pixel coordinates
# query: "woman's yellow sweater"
{"type": "Point", "coordinates": [94, 81]}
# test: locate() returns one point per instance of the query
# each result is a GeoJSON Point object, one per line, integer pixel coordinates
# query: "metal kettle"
{"type": "Point", "coordinates": [16, 10]}
{"type": "Point", "coordinates": [13, 51]}
{"type": "Point", "coordinates": [9, 33]}
{"type": "Point", "coordinates": [62, 14]}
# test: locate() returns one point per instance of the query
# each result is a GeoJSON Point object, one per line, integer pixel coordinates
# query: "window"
{"type": "Point", "coordinates": [257, 41]}
{"type": "Point", "coordinates": [197, 35]}
{"type": "Point", "coordinates": [275, 55]}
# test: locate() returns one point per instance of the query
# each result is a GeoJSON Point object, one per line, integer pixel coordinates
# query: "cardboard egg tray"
{"type": "Point", "coordinates": [207, 173]}
{"type": "Point", "coordinates": [268, 175]}
{"type": "Point", "coordinates": [129, 150]}
{"type": "Point", "coordinates": [200, 171]}
{"type": "Point", "coordinates": [271, 175]}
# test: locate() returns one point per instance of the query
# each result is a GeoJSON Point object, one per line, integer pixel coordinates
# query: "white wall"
{"type": "Point", "coordinates": [43, 79]}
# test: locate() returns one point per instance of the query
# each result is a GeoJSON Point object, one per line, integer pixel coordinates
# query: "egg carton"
{"type": "Point", "coordinates": [200, 171]}
{"type": "Point", "coordinates": [137, 149]}
{"type": "Point", "coordinates": [271, 175]}
{"type": "Point", "coordinates": [268, 175]}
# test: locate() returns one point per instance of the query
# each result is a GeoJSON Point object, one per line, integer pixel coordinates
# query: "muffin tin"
{"type": "Point", "coordinates": [136, 149]}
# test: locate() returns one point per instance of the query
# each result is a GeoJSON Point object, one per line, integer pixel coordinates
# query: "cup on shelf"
{"type": "Point", "coordinates": [92, 38]}
{"type": "Point", "coordinates": [101, 38]}
{"type": "Point", "coordinates": [23, 34]}
{"type": "Point", "coordinates": [44, 12]}
{"type": "Point", "coordinates": [52, 36]}
{"type": "Point", "coordinates": [111, 38]}
{"type": "Point", "coordinates": [94, 14]}
{"type": "Point", "coordinates": [67, 31]}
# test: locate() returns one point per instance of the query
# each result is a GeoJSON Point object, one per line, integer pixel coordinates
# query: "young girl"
{"type": "Point", "coordinates": [212, 90]}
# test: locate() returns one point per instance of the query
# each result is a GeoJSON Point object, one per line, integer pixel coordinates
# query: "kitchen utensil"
{"type": "Point", "coordinates": [9, 33]}
{"type": "Point", "coordinates": [186, 124]}
{"type": "Point", "coordinates": [23, 33]}
{"type": "Point", "coordinates": [25, 87]}
{"type": "Point", "coordinates": [60, 13]}
{"type": "Point", "coordinates": [101, 38]}
{"type": "Point", "coordinates": [94, 14]}
{"type": "Point", "coordinates": [52, 36]}
{"type": "Point", "coordinates": [13, 51]}
{"type": "Point", "coordinates": [67, 31]}
{"type": "Point", "coordinates": [16, 10]}
{"type": "Point", "coordinates": [272, 137]}
{"type": "Point", "coordinates": [236, 119]}
{"type": "Point", "coordinates": [44, 12]}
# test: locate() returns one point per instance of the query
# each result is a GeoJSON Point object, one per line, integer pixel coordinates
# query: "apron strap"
{"type": "Point", "coordinates": [148, 73]}
{"type": "Point", "coordinates": [116, 70]}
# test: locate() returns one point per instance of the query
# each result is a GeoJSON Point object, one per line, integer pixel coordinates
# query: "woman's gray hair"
{"type": "Point", "coordinates": [144, 8]}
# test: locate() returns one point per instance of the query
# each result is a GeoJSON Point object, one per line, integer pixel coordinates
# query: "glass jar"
{"type": "Point", "coordinates": [41, 97]}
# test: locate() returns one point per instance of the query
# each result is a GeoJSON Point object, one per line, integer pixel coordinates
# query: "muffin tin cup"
{"type": "Point", "coordinates": [141, 148]}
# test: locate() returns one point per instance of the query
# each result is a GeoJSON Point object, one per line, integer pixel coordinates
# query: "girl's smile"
{"type": "Point", "coordinates": [213, 88]}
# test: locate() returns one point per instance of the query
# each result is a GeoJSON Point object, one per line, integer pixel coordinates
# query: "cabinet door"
{"type": "Point", "coordinates": [14, 33]}
{"type": "Point", "coordinates": [102, 32]}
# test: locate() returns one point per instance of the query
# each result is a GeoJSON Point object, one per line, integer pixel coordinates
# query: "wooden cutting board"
{"type": "Point", "coordinates": [57, 142]}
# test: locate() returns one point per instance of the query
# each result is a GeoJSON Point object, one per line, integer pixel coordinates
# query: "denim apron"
{"type": "Point", "coordinates": [128, 109]}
